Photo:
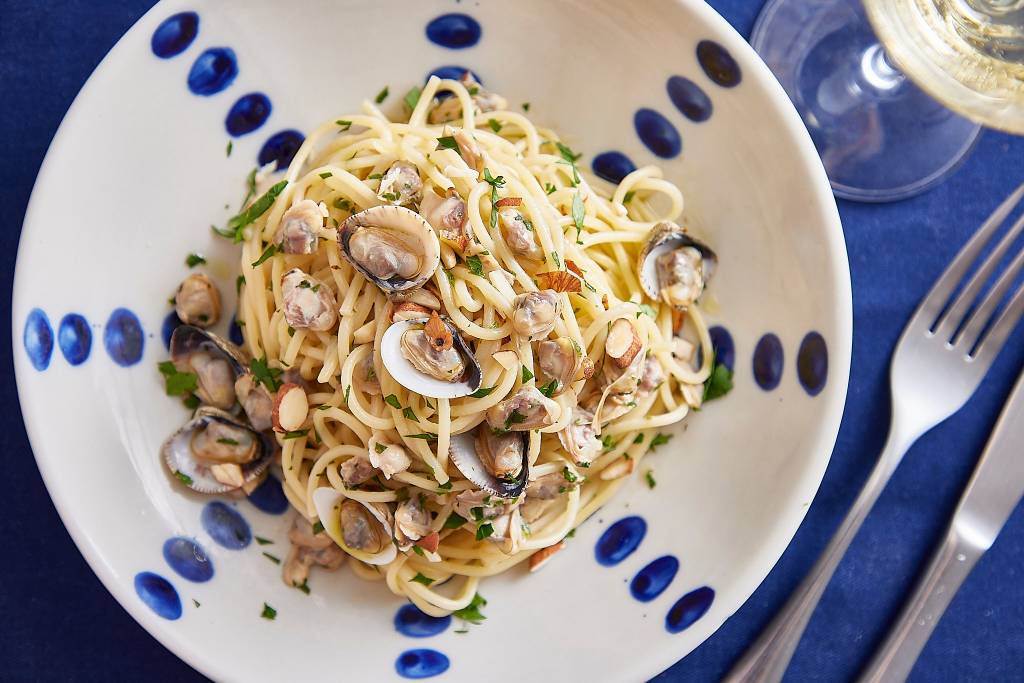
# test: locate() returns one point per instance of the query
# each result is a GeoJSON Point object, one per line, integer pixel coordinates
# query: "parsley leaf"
{"type": "Point", "coordinates": [447, 142]}
{"type": "Point", "coordinates": [345, 125]}
{"type": "Point", "coordinates": [424, 436]}
{"type": "Point", "coordinates": [265, 374]}
{"type": "Point", "coordinates": [318, 527]}
{"type": "Point", "coordinates": [381, 96]}
{"type": "Point", "coordinates": [419, 578]}
{"type": "Point", "coordinates": [526, 106]}
{"type": "Point", "coordinates": [268, 612]}
{"type": "Point", "coordinates": [660, 440]}
{"type": "Point", "coordinates": [527, 375]}
{"type": "Point", "coordinates": [484, 530]}
{"type": "Point", "coordinates": [267, 253]}
{"type": "Point", "coordinates": [392, 401]}
{"type": "Point", "coordinates": [482, 391]}
{"type": "Point", "coordinates": [272, 558]}
{"type": "Point", "coordinates": [183, 478]}
{"type": "Point", "coordinates": [178, 383]}
{"type": "Point", "coordinates": [239, 281]}
{"type": "Point", "coordinates": [326, 174]}
{"type": "Point", "coordinates": [474, 265]}
{"type": "Point", "coordinates": [193, 260]}
{"type": "Point", "coordinates": [567, 153]}
{"type": "Point", "coordinates": [629, 197]}
{"type": "Point", "coordinates": [550, 388]}
{"type": "Point", "coordinates": [263, 541]}
{"type": "Point", "coordinates": [471, 612]}
{"type": "Point", "coordinates": [568, 475]}
{"type": "Point", "coordinates": [304, 586]}
{"type": "Point", "coordinates": [454, 521]}
{"type": "Point", "coordinates": [259, 207]}
{"type": "Point", "coordinates": [296, 434]}
{"type": "Point", "coordinates": [231, 146]}
{"type": "Point", "coordinates": [549, 188]}
{"type": "Point", "coordinates": [419, 551]}
{"type": "Point", "coordinates": [412, 98]}
{"type": "Point", "coordinates": [514, 418]}
{"type": "Point", "coordinates": [719, 383]}
{"type": "Point", "coordinates": [409, 415]}
{"type": "Point", "coordinates": [578, 212]}
{"type": "Point", "coordinates": [649, 476]}
{"type": "Point", "coordinates": [639, 438]}
{"type": "Point", "coordinates": [494, 125]}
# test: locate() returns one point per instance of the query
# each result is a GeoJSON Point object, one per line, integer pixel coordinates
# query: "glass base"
{"type": "Point", "coordinates": [879, 136]}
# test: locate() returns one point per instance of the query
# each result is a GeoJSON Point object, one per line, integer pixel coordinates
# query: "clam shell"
{"type": "Point", "coordinates": [177, 453]}
{"type": "Point", "coordinates": [404, 224]}
{"type": "Point", "coordinates": [666, 236]}
{"type": "Point", "coordinates": [414, 380]}
{"type": "Point", "coordinates": [327, 502]}
{"type": "Point", "coordinates": [187, 338]}
{"type": "Point", "coordinates": [463, 455]}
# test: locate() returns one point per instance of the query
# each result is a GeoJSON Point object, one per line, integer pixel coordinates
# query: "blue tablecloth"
{"type": "Point", "coordinates": [59, 624]}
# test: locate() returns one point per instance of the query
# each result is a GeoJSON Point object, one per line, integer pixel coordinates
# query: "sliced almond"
{"type": "Point", "coordinates": [508, 201]}
{"type": "Point", "coordinates": [586, 368]}
{"type": "Point", "coordinates": [406, 310]}
{"type": "Point", "coordinates": [623, 342]}
{"type": "Point", "coordinates": [507, 359]}
{"type": "Point", "coordinates": [438, 333]}
{"type": "Point", "coordinates": [678, 319]}
{"type": "Point", "coordinates": [228, 474]}
{"type": "Point", "coordinates": [430, 542]}
{"type": "Point", "coordinates": [290, 408]}
{"type": "Point", "coordinates": [559, 280]}
{"type": "Point", "coordinates": [604, 301]}
{"type": "Point", "coordinates": [620, 468]}
{"type": "Point", "coordinates": [571, 265]}
{"type": "Point", "coordinates": [541, 557]}
{"type": "Point", "coordinates": [456, 238]}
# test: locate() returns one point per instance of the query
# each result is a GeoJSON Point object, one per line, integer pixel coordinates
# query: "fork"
{"type": "Point", "coordinates": [941, 357]}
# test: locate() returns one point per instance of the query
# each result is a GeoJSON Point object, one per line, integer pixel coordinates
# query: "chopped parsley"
{"type": "Point", "coordinates": [447, 486]}
{"type": "Point", "coordinates": [238, 223]}
{"type": "Point", "coordinates": [419, 578]}
{"type": "Point", "coordinates": [375, 176]}
{"type": "Point", "coordinates": [550, 388]}
{"type": "Point", "coordinates": [392, 401]}
{"type": "Point", "coordinates": [391, 196]}
{"type": "Point", "coordinates": [660, 440]}
{"type": "Point", "coordinates": [447, 142]}
{"type": "Point", "coordinates": [409, 415]}
{"type": "Point", "coordinates": [639, 438]}
{"type": "Point", "coordinates": [558, 261]}
{"type": "Point", "coordinates": [272, 558]}
{"type": "Point", "coordinates": [719, 383]}
{"type": "Point", "coordinates": [227, 442]}
{"type": "Point", "coordinates": [482, 392]}
{"type": "Point", "coordinates": [607, 442]}
{"type": "Point", "coordinates": [348, 390]}
{"type": "Point", "coordinates": [231, 146]}
{"type": "Point", "coordinates": [318, 527]}
{"type": "Point", "coordinates": [239, 281]}
{"type": "Point", "coordinates": [264, 374]}
{"type": "Point", "coordinates": [578, 212]}
{"type": "Point", "coordinates": [178, 383]}
{"type": "Point", "coordinates": [263, 541]}
{"type": "Point", "coordinates": [418, 550]}
{"type": "Point", "coordinates": [567, 153]}
{"type": "Point", "coordinates": [381, 96]}
{"type": "Point", "coordinates": [471, 612]}
{"type": "Point", "coordinates": [304, 586]}
{"type": "Point", "coordinates": [649, 476]}
{"type": "Point", "coordinates": [267, 253]}
{"type": "Point", "coordinates": [475, 266]}
{"type": "Point", "coordinates": [494, 125]}
{"type": "Point", "coordinates": [514, 418]}
{"type": "Point", "coordinates": [326, 174]}
{"type": "Point", "coordinates": [191, 401]}
{"type": "Point", "coordinates": [343, 204]}
{"type": "Point", "coordinates": [412, 98]}
{"type": "Point", "coordinates": [571, 533]}
{"type": "Point", "coordinates": [629, 197]}
{"type": "Point", "coordinates": [325, 406]}
{"type": "Point", "coordinates": [454, 521]}
{"type": "Point", "coordinates": [296, 434]}
{"type": "Point", "coordinates": [526, 106]}
{"type": "Point", "coordinates": [268, 612]}
{"type": "Point", "coordinates": [345, 125]}
{"type": "Point", "coordinates": [195, 602]}
{"type": "Point", "coordinates": [424, 436]}
{"type": "Point", "coordinates": [193, 260]}
{"type": "Point", "coordinates": [484, 530]}
{"type": "Point", "coordinates": [527, 374]}
{"type": "Point", "coordinates": [495, 184]}
{"type": "Point", "coordinates": [379, 447]}
{"type": "Point", "coordinates": [183, 478]}
{"type": "Point", "coordinates": [568, 475]}
{"type": "Point", "coordinates": [549, 188]}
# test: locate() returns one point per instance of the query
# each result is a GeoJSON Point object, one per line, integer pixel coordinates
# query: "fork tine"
{"type": "Point", "coordinates": [990, 345]}
{"type": "Point", "coordinates": [976, 325]}
{"type": "Point", "coordinates": [954, 315]}
{"type": "Point", "coordinates": [932, 305]}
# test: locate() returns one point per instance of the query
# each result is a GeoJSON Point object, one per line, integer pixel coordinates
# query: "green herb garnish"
{"type": "Point", "coordinates": [649, 476]}
{"type": "Point", "coordinates": [231, 146]}
{"type": "Point", "coordinates": [629, 197]}
{"type": "Point", "coordinates": [419, 578]}
{"type": "Point", "coordinates": [263, 541]}
{"type": "Point", "coordinates": [447, 142]}
{"type": "Point", "coordinates": [412, 98]}
{"type": "Point", "coordinates": [527, 374]}
{"type": "Point", "coordinates": [177, 383]}
{"type": "Point", "coordinates": [471, 612]}
{"type": "Point", "coordinates": [238, 223]}
{"type": "Point", "coordinates": [482, 392]}
{"type": "Point", "coordinates": [409, 415]}
{"type": "Point", "coordinates": [267, 253]}
{"type": "Point", "coordinates": [268, 612]}
{"type": "Point", "coordinates": [475, 265]}
{"type": "Point", "coordinates": [660, 440]}
{"type": "Point", "coordinates": [272, 558]}
{"type": "Point", "coordinates": [265, 374]}
{"type": "Point", "coordinates": [484, 530]}
{"type": "Point", "coordinates": [296, 434]}
{"type": "Point", "coordinates": [304, 586]}
{"type": "Point", "coordinates": [494, 125]}
{"type": "Point", "coordinates": [345, 125]}
{"type": "Point", "coordinates": [578, 212]}
{"type": "Point", "coordinates": [568, 475]}
{"type": "Point", "coordinates": [318, 527]}
{"type": "Point", "coordinates": [719, 383]}
{"type": "Point", "coordinates": [454, 521]}
{"type": "Point", "coordinates": [326, 174]}
{"type": "Point", "coordinates": [183, 478]}
{"type": "Point", "coordinates": [549, 188]}
{"type": "Point", "coordinates": [193, 260]}
{"type": "Point", "coordinates": [381, 96]}
{"type": "Point", "coordinates": [392, 401]}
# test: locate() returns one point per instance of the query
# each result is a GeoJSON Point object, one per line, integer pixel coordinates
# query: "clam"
{"type": "Point", "coordinates": [215, 362]}
{"type": "Point", "coordinates": [401, 185]}
{"type": "Point", "coordinates": [430, 358]}
{"type": "Point", "coordinates": [365, 377]}
{"type": "Point", "coordinates": [652, 377]}
{"type": "Point", "coordinates": [389, 458]}
{"type": "Point", "coordinates": [525, 410]}
{"type": "Point", "coordinates": [518, 234]}
{"type": "Point", "coordinates": [579, 438]}
{"type": "Point", "coordinates": [197, 301]}
{"type": "Point", "coordinates": [507, 531]}
{"type": "Point", "coordinates": [357, 469]}
{"type": "Point", "coordinates": [363, 530]}
{"type": "Point", "coordinates": [215, 453]}
{"type": "Point", "coordinates": [450, 108]}
{"type": "Point", "coordinates": [673, 266]}
{"type": "Point", "coordinates": [256, 401]}
{"type": "Point", "coordinates": [563, 361]}
{"type": "Point", "coordinates": [309, 549]}
{"type": "Point", "coordinates": [421, 296]}
{"type": "Point", "coordinates": [534, 313]}
{"type": "Point", "coordinates": [307, 302]}
{"type": "Point", "coordinates": [300, 226]}
{"type": "Point", "coordinates": [392, 246]}
{"type": "Point", "coordinates": [412, 522]}
{"type": "Point", "coordinates": [496, 462]}
{"type": "Point", "coordinates": [446, 214]}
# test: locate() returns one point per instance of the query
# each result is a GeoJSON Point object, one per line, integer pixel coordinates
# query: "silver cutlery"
{"type": "Point", "coordinates": [993, 492]}
{"type": "Point", "coordinates": [942, 356]}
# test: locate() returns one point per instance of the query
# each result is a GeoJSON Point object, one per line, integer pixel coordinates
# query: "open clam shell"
{"type": "Point", "coordinates": [328, 503]}
{"type": "Point", "coordinates": [215, 381]}
{"type": "Point", "coordinates": [665, 237]}
{"type": "Point", "coordinates": [392, 246]}
{"type": "Point", "coordinates": [464, 455]}
{"type": "Point", "coordinates": [406, 374]}
{"type": "Point", "coordinates": [179, 457]}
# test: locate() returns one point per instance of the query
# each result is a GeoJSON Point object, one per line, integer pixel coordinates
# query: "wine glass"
{"type": "Point", "coordinates": [863, 77]}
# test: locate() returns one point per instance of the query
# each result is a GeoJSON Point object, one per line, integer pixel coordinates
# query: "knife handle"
{"type": "Point", "coordinates": [949, 566]}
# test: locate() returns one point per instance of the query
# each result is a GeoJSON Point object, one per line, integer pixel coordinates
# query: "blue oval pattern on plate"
{"type": "Point", "coordinates": [657, 133]}
{"type": "Point", "coordinates": [74, 338]}
{"type": "Point", "coordinates": [213, 71]}
{"type": "Point", "coordinates": [281, 148]}
{"type": "Point", "coordinates": [689, 98]}
{"type": "Point", "coordinates": [123, 338]}
{"type": "Point", "coordinates": [38, 339]}
{"type": "Point", "coordinates": [689, 609]}
{"type": "Point", "coordinates": [248, 113]}
{"type": "Point", "coordinates": [452, 72]}
{"type": "Point", "coordinates": [652, 580]}
{"type": "Point", "coordinates": [170, 324]}
{"type": "Point", "coordinates": [454, 31]}
{"type": "Point", "coordinates": [769, 362]}
{"type": "Point", "coordinates": [620, 540]}
{"type": "Point", "coordinates": [725, 350]}
{"type": "Point", "coordinates": [718, 64]}
{"type": "Point", "coordinates": [612, 166]}
{"type": "Point", "coordinates": [235, 331]}
{"type": "Point", "coordinates": [421, 663]}
{"type": "Point", "coordinates": [269, 497]}
{"type": "Point", "coordinates": [812, 363]}
{"type": "Point", "coordinates": [226, 526]}
{"type": "Point", "coordinates": [411, 621]}
{"type": "Point", "coordinates": [158, 594]}
{"type": "Point", "coordinates": [175, 34]}
{"type": "Point", "coordinates": [188, 559]}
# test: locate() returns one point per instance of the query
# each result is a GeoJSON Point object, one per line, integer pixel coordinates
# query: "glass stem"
{"type": "Point", "coordinates": [871, 78]}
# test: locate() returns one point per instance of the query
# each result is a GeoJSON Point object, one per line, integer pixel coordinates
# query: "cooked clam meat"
{"type": "Point", "coordinates": [256, 401]}
{"type": "Point", "coordinates": [366, 377]}
{"type": "Point", "coordinates": [525, 410]}
{"type": "Point", "coordinates": [518, 234]}
{"type": "Point", "coordinates": [197, 301]}
{"type": "Point", "coordinates": [673, 266]}
{"type": "Point", "coordinates": [309, 549]}
{"type": "Point", "coordinates": [548, 487]}
{"type": "Point", "coordinates": [392, 246]}
{"type": "Point", "coordinates": [401, 184]}
{"type": "Point", "coordinates": [432, 350]}
{"type": "Point", "coordinates": [300, 226]}
{"type": "Point", "coordinates": [486, 505]}
{"type": "Point", "coordinates": [534, 313]}
{"type": "Point", "coordinates": [681, 276]}
{"type": "Point", "coordinates": [447, 215]}
{"type": "Point", "coordinates": [360, 529]}
{"type": "Point", "coordinates": [389, 458]}
{"type": "Point", "coordinates": [221, 443]}
{"type": "Point", "coordinates": [450, 108]}
{"type": "Point", "coordinates": [563, 360]}
{"type": "Point", "coordinates": [412, 521]}
{"type": "Point", "coordinates": [357, 470]}
{"type": "Point", "coordinates": [500, 453]}
{"type": "Point", "coordinates": [579, 438]}
{"type": "Point", "coordinates": [384, 256]}
{"type": "Point", "coordinates": [405, 310]}
{"type": "Point", "coordinates": [652, 376]}
{"type": "Point", "coordinates": [215, 378]}
{"type": "Point", "coordinates": [307, 302]}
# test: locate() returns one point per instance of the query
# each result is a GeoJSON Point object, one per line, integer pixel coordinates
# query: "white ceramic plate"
{"type": "Point", "coordinates": [138, 172]}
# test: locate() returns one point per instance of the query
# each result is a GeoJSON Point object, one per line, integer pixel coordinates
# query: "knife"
{"type": "Point", "coordinates": [994, 490]}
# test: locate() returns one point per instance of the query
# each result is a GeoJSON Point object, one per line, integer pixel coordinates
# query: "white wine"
{"type": "Point", "coordinates": [968, 54]}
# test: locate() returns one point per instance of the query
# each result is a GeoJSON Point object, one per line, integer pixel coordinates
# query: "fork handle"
{"type": "Point", "coordinates": [949, 566]}
{"type": "Point", "coordinates": [766, 660]}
